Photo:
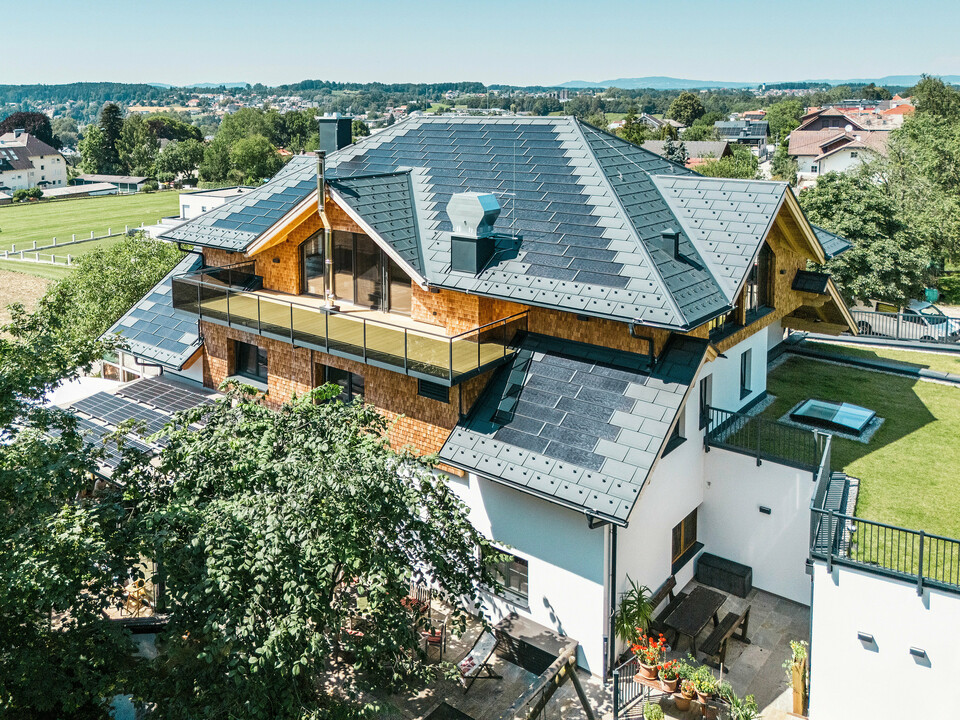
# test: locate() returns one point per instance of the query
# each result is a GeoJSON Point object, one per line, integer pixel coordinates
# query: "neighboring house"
{"type": "Point", "coordinates": [698, 151]}
{"type": "Point", "coordinates": [560, 335]}
{"type": "Point", "coordinates": [5, 199]}
{"type": "Point", "coordinates": [746, 132]}
{"type": "Point", "coordinates": [27, 162]}
{"type": "Point", "coordinates": [833, 150]}
{"type": "Point", "coordinates": [79, 191]}
{"type": "Point", "coordinates": [753, 115]}
{"type": "Point", "coordinates": [657, 123]}
{"type": "Point", "coordinates": [124, 183]}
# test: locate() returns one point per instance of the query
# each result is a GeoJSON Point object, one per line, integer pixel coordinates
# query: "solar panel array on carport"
{"type": "Point", "coordinates": [166, 395]}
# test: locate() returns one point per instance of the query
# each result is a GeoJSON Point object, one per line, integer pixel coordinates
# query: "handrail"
{"type": "Point", "coordinates": [763, 439]}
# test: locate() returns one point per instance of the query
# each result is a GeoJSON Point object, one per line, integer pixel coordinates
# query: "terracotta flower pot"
{"type": "Point", "coordinates": [682, 702]}
{"type": "Point", "coordinates": [669, 686]}
{"type": "Point", "coordinates": [701, 698]}
{"type": "Point", "coordinates": [647, 672]}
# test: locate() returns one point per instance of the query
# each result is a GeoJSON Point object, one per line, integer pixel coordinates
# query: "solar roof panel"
{"type": "Point", "coordinates": [114, 410]}
{"type": "Point", "coordinates": [166, 395]}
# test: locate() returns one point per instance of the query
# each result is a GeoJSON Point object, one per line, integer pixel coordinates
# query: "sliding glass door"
{"type": "Point", "coordinates": [365, 275]}
{"type": "Point", "coordinates": [311, 266]}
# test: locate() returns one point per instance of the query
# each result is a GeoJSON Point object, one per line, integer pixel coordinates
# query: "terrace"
{"type": "Point", "coordinates": [234, 297]}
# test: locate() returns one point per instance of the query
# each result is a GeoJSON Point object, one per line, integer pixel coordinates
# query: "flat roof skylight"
{"type": "Point", "coordinates": [840, 417]}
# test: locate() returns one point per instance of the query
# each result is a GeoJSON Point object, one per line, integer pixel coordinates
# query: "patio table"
{"type": "Point", "coordinates": [694, 612]}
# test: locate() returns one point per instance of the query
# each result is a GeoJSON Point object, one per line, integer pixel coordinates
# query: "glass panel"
{"type": "Point", "coordinates": [369, 272]}
{"type": "Point", "coordinates": [312, 266]}
{"type": "Point", "coordinates": [466, 352]}
{"type": "Point", "coordinates": [343, 264]}
{"type": "Point", "coordinates": [243, 310]}
{"type": "Point", "coordinates": [309, 326]}
{"type": "Point", "coordinates": [341, 378]}
{"type": "Point", "coordinates": [385, 344]}
{"type": "Point", "coordinates": [213, 302]}
{"type": "Point", "coordinates": [250, 361]}
{"type": "Point", "coordinates": [274, 317]}
{"type": "Point", "coordinates": [429, 355]}
{"type": "Point", "coordinates": [401, 294]}
{"type": "Point", "coordinates": [346, 334]}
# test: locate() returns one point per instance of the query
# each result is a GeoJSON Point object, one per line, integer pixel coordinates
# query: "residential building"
{"type": "Point", "coordinates": [698, 151]}
{"type": "Point", "coordinates": [80, 191]}
{"type": "Point", "coordinates": [124, 183]}
{"type": "Point", "coordinates": [558, 313]}
{"type": "Point", "coordinates": [746, 132]}
{"type": "Point", "coordinates": [657, 123]}
{"type": "Point", "coordinates": [193, 204]}
{"type": "Point", "coordinates": [833, 150]}
{"type": "Point", "coordinates": [27, 162]}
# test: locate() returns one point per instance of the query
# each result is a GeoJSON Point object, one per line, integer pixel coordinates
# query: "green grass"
{"type": "Point", "coordinates": [21, 224]}
{"type": "Point", "coordinates": [941, 362]}
{"type": "Point", "coordinates": [50, 272]}
{"type": "Point", "coordinates": [909, 469]}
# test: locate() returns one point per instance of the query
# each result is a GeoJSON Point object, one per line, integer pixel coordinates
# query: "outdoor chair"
{"type": "Point", "coordinates": [476, 664]}
{"type": "Point", "coordinates": [436, 638]}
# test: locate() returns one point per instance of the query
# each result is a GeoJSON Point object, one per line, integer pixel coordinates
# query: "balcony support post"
{"type": "Point", "coordinates": [227, 296]}
{"type": "Point", "coordinates": [920, 566]}
{"type": "Point", "coordinates": [291, 326]}
{"type": "Point", "coordinates": [405, 368]}
{"type": "Point", "coordinates": [830, 541]}
{"type": "Point", "coordinates": [759, 433]}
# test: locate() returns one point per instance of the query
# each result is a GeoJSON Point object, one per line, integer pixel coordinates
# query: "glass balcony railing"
{"type": "Point", "coordinates": [228, 296]}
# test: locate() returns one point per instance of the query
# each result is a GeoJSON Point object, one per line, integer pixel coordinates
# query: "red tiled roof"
{"type": "Point", "coordinates": [899, 110]}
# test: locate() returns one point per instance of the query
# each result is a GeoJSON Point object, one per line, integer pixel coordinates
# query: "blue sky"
{"type": "Point", "coordinates": [492, 41]}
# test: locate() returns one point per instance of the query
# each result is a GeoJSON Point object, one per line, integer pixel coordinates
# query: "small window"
{"type": "Point", "coordinates": [706, 397]}
{"type": "Point", "coordinates": [684, 536]}
{"type": "Point", "coordinates": [432, 390]}
{"type": "Point", "coordinates": [678, 434]}
{"type": "Point", "coordinates": [250, 361]}
{"type": "Point", "coordinates": [513, 574]}
{"type": "Point", "coordinates": [853, 154]}
{"type": "Point", "coordinates": [746, 361]}
{"type": "Point", "coordinates": [813, 168]}
{"type": "Point", "coordinates": [351, 384]}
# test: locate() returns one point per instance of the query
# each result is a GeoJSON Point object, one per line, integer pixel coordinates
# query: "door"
{"type": "Point", "coordinates": [400, 290]}
{"type": "Point", "coordinates": [369, 273]}
{"type": "Point", "coordinates": [311, 266]}
{"type": "Point", "coordinates": [343, 265]}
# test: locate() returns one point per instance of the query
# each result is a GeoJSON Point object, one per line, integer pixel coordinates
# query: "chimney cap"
{"type": "Point", "coordinates": [473, 214]}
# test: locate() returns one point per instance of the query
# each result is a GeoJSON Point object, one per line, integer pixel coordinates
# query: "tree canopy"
{"type": "Point", "coordinates": [686, 108]}
{"type": "Point", "coordinates": [741, 164]}
{"type": "Point", "coordinates": [35, 123]}
{"type": "Point", "coordinates": [783, 118]}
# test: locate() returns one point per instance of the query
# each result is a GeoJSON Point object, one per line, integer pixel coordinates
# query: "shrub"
{"type": "Point", "coordinates": [22, 195]}
{"type": "Point", "coordinates": [151, 186]}
{"type": "Point", "coordinates": [950, 289]}
{"type": "Point", "coordinates": [652, 711]}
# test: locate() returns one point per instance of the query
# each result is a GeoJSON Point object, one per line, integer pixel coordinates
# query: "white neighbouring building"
{"type": "Point", "coordinates": [27, 162]}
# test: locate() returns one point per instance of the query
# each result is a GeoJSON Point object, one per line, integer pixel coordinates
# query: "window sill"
{"type": "Point", "coordinates": [672, 445]}
{"type": "Point", "coordinates": [686, 557]}
{"type": "Point", "coordinates": [243, 380]}
{"type": "Point", "coordinates": [745, 393]}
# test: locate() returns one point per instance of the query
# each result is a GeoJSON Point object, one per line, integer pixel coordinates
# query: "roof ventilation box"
{"type": "Point", "coordinates": [670, 242]}
{"type": "Point", "coordinates": [336, 131]}
{"type": "Point", "coordinates": [472, 241]}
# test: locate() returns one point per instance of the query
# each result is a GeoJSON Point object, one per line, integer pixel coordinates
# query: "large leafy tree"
{"type": "Point", "coordinates": [255, 158]}
{"type": "Point", "coordinates": [887, 261]}
{"type": "Point", "coordinates": [137, 147]}
{"type": "Point", "coordinates": [783, 166]}
{"type": "Point", "coordinates": [686, 108]}
{"type": "Point", "coordinates": [741, 164]}
{"type": "Point", "coordinates": [178, 159]}
{"type": "Point", "coordinates": [35, 123]}
{"type": "Point", "coordinates": [632, 129]}
{"type": "Point", "coordinates": [94, 153]}
{"type": "Point", "coordinates": [216, 161]}
{"type": "Point", "coordinates": [111, 124]}
{"type": "Point", "coordinates": [128, 268]}
{"type": "Point", "coordinates": [64, 549]}
{"type": "Point", "coordinates": [931, 96]}
{"type": "Point", "coordinates": [783, 118]}
{"type": "Point", "coordinates": [268, 524]}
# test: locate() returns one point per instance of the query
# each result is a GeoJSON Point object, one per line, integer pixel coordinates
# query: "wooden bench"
{"type": "Point", "coordinates": [665, 592]}
{"type": "Point", "coordinates": [715, 646]}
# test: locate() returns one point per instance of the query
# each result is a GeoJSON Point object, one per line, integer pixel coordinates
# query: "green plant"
{"type": "Point", "coordinates": [649, 651]}
{"type": "Point", "coordinates": [704, 681]}
{"type": "Point", "coordinates": [949, 286]}
{"type": "Point", "coordinates": [635, 612]}
{"type": "Point", "coordinates": [652, 711]}
{"type": "Point", "coordinates": [688, 688]}
{"type": "Point", "coordinates": [668, 671]}
{"type": "Point", "coordinates": [798, 657]}
{"type": "Point", "coordinates": [684, 669]}
{"type": "Point", "coordinates": [744, 708]}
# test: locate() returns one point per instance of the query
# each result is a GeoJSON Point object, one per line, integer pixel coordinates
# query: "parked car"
{"type": "Point", "coordinates": [918, 320]}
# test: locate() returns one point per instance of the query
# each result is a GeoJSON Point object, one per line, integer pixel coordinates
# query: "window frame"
{"type": "Point", "coordinates": [746, 373]}
{"type": "Point", "coordinates": [705, 396]}
{"type": "Point", "coordinates": [521, 594]}
{"type": "Point", "coordinates": [240, 350]}
{"type": "Point", "coordinates": [688, 539]}
{"type": "Point", "coordinates": [678, 435]}
{"type": "Point", "coordinates": [348, 393]}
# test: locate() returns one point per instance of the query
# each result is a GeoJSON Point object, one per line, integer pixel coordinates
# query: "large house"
{"type": "Point", "coordinates": [833, 149]}
{"type": "Point", "coordinates": [27, 162]}
{"type": "Point", "coordinates": [559, 314]}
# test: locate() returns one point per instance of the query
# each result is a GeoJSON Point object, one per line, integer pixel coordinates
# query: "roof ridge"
{"type": "Point", "coordinates": [636, 233]}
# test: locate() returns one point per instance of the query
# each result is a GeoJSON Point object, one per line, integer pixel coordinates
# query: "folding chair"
{"type": "Point", "coordinates": [477, 662]}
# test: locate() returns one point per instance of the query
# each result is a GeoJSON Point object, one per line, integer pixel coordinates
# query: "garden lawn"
{"type": "Point", "coordinates": [23, 223]}
{"type": "Point", "coordinates": [910, 469]}
{"type": "Point", "coordinates": [39, 270]}
{"type": "Point", "coordinates": [942, 362]}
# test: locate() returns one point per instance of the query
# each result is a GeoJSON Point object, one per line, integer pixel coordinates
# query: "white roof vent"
{"type": "Point", "coordinates": [473, 214]}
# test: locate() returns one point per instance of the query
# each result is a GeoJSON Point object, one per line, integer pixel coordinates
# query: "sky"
{"type": "Point", "coordinates": [491, 41]}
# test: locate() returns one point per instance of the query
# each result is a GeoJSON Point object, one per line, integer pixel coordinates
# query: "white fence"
{"type": "Point", "coordinates": [34, 252]}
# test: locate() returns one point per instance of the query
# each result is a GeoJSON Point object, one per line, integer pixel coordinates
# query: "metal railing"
{"type": "Point", "coordinates": [227, 296]}
{"type": "Point", "coordinates": [912, 555]}
{"type": "Point", "coordinates": [907, 326]}
{"type": "Point", "coordinates": [626, 690]}
{"type": "Point", "coordinates": [764, 439]}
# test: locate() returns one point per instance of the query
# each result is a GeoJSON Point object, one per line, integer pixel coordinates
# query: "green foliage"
{"type": "Point", "coordinates": [633, 130]}
{"type": "Point", "coordinates": [111, 124]}
{"type": "Point", "coordinates": [35, 123]}
{"type": "Point", "coordinates": [268, 522]}
{"type": "Point", "coordinates": [598, 120]}
{"type": "Point", "coordinates": [66, 132]}
{"type": "Point", "coordinates": [741, 164]}
{"type": "Point", "coordinates": [94, 153]}
{"type": "Point", "coordinates": [137, 147]}
{"type": "Point", "coordinates": [180, 159]}
{"type": "Point", "coordinates": [359, 129]}
{"type": "Point", "coordinates": [167, 126]}
{"type": "Point", "coordinates": [128, 268]}
{"type": "Point", "coordinates": [949, 286]}
{"type": "Point", "coordinates": [151, 186]}
{"type": "Point", "coordinates": [216, 162]}
{"type": "Point", "coordinates": [931, 96]}
{"type": "Point", "coordinates": [652, 711]}
{"type": "Point", "coordinates": [667, 132]}
{"type": "Point", "coordinates": [783, 166]}
{"type": "Point", "coordinates": [634, 614]}
{"type": "Point", "coordinates": [244, 123]}
{"type": "Point", "coordinates": [255, 158]}
{"type": "Point", "coordinates": [699, 132]}
{"type": "Point", "coordinates": [887, 261]}
{"type": "Point", "coordinates": [686, 108]}
{"type": "Point", "coordinates": [63, 551]}
{"type": "Point", "coordinates": [675, 152]}
{"type": "Point", "coordinates": [798, 656]}
{"type": "Point", "coordinates": [783, 118]}
{"type": "Point", "coordinates": [740, 708]}
{"type": "Point", "coordinates": [27, 194]}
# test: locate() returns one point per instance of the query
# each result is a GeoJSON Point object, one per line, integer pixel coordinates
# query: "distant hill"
{"type": "Point", "coordinates": [657, 82]}
{"type": "Point", "coordinates": [198, 86]}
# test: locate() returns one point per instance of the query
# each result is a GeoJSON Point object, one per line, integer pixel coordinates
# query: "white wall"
{"type": "Point", "coordinates": [732, 526]}
{"type": "Point", "coordinates": [889, 681]}
{"type": "Point", "coordinates": [726, 374]}
{"type": "Point", "coordinates": [774, 334]}
{"type": "Point", "coordinates": [567, 561]}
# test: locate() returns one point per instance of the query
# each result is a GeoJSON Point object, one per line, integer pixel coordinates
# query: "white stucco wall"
{"type": "Point", "coordinates": [732, 526]}
{"type": "Point", "coordinates": [726, 373]}
{"type": "Point", "coordinates": [566, 560]}
{"type": "Point", "coordinates": [889, 681]}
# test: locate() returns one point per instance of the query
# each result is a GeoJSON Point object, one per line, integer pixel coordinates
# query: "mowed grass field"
{"type": "Point", "coordinates": [909, 469]}
{"type": "Point", "coordinates": [23, 223]}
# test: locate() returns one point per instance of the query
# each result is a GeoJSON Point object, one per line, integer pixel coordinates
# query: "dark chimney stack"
{"type": "Point", "coordinates": [671, 242]}
{"type": "Point", "coordinates": [336, 131]}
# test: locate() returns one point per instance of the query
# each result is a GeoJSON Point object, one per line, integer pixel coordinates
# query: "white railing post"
{"type": "Point", "coordinates": [54, 242]}
{"type": "Point", "coordinates": [69, 260]}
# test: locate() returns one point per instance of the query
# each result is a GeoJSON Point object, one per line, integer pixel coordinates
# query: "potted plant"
{"type": "Point", "coordinates": [669, 677]}
{"type": "Point", "coordinates": [652, 711]}
{"type": "Point", "coordinates": [687, 693]}
{"type": "Point", "coordinates": [649, 652]}
{"type": "Point", "coordinates": [634, 614]}
{"type": "Point", "coordinates": [705, 684]}
{"type": "Point", "coordinates": [740, 708]}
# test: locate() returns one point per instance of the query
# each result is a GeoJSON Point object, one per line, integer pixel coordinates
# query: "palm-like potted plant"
{"type": "Point", "coordinates": [635, 613]}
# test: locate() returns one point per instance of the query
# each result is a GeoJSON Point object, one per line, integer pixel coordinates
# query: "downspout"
{"type": "Point", "coordinates": [613, 598]}
{"type": "Point", "coordinates": [329, 297]}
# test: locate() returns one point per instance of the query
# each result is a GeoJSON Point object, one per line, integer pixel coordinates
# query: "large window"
{"type": "Point", "coordinates": [746, 371]}
{"type": "Point", "coordinates": [512, 574]}
{"type": "Point", "coordinates": [684, 537]}
{"type": "Point", "coordinates": [249, 361]}
{"type": "Point", "coordinates": [312, 265]}
{"type": "Point", "coordinates": [365, 275]}
{"type": "Point", "coordinates": [351, 384]}
{"type": "Point", "coordinates": [758, 293]}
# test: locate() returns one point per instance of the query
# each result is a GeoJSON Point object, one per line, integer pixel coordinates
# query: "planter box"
{"type": "Point", "coordinates": [726, 575]}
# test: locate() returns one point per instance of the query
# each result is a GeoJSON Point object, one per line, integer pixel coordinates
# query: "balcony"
{"type": "Point", "coordinates": [233, 296]}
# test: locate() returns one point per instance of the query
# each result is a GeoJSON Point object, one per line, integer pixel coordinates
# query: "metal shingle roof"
{"type": "Point", "coordinates": [153, 330]}
{"type": "Point", "coordinates": [832, 243]}
{"type": "Point", "coordinates": [577, 424]}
